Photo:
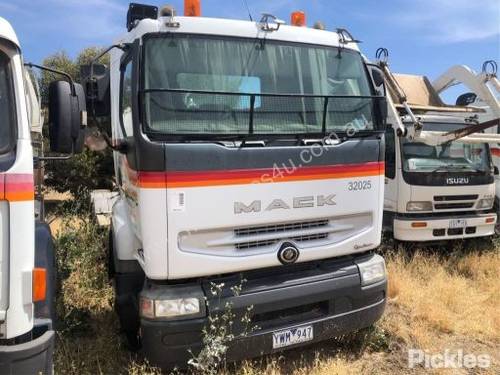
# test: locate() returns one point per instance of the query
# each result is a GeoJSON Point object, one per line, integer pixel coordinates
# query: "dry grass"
{"type": "Point", "coordinates": [438, 298]}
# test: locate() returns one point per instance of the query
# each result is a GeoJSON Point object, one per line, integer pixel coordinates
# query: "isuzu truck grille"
{"type": "Point", "coordinates": [454, 202]}
{"type": "Point", "coordinates": [448, 198]}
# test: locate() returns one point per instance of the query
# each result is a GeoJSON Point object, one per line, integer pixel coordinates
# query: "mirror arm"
{"type": "Point", "coordinates": [60, 72]}
{"type": "Point", "coordinates": [124, 47]}
{"type": "Point", "coordinates": [38, 159]}
{"type": "Point", "coordinates": [48, 158]}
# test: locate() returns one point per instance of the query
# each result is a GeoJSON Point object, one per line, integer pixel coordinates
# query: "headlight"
{"type": "Point", "coordinates": [419, 206]}
{"type": "Point", "coordinates": [372, 270]}
{"type": "Point", "coordinates": [169, 308]}
{"type": "Point", "coordinates": [177, 307]}
{"type": "Point", "coordinates": [485, 203]}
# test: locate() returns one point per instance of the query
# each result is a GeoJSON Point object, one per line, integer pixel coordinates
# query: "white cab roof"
{"type": "Point", "coordinates": [237, 28]}
{"type": "Point", "coordinates": [7, 32]}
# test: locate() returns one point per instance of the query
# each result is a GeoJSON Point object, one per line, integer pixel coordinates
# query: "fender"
{"type": "Point", "coordinates": [125, 242]}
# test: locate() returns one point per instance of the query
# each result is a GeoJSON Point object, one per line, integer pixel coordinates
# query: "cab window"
{"type": "Point", "coordinates": [7, 108]}
{"type": "Point", "coordinates": [390, 154]}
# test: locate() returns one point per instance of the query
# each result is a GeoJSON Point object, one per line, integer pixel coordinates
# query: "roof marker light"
{"type": "Point", "coordinates": [298, 18]}
{"type": "Point", "coordinates": [192, 8]}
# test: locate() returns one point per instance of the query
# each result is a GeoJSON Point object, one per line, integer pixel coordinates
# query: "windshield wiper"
{"type": "Point", "coordinates": [447, 167]}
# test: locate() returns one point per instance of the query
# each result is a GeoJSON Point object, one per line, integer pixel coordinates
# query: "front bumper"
{"type": "Point", "coordinates": [31, 357]}
{"type": "Point", "coordinates": [327, 295]}
{"type": "Point", "coordinates": [438, 228]}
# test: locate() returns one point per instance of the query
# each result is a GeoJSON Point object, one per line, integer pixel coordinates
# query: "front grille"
{"type": "Point", "coordinates": [452, 206]}
{"type": "Point", "coordinates": [439, 232]}
{"type": "Point", "coordinates": [283, 317]}
{"type": "Point", "coordinates": [261, 238]}
{"type": "Point", "coordinates": [455, 231]}
{"type": "Point", "coordinates": [311, 237]}
{"type": "Point", "coordinates": [447, 198]}
{"type": "Point", "coordinates": [305, 238]}
{"type": "Point", "coordinates": [253, 244]}
{"type": "Point", "coordinates": [470, 230]}
{"type": "Point", "coordinates": [280, 227]}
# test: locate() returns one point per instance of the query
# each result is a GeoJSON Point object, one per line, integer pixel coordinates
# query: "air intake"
{"type": "Point", "coordinates": [137, 12]}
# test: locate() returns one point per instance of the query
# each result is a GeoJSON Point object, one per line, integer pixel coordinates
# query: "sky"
{"type": "Point", "coordinates": [422, 36]}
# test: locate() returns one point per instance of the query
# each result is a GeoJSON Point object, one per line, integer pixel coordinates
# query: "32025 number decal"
{"type": "Point", "coordinates": [359, 185]}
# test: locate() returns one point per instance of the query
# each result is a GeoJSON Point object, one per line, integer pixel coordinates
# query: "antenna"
{"type": "Point", "coordinates": [248, 10]}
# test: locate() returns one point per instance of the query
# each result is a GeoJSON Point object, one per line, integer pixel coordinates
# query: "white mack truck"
{"type": "Point", "coordinates": [27, 273]}
{"type": "Point", "coordinates": [440, 172]}
{"type": "Point", "coordinates": [246, 153]}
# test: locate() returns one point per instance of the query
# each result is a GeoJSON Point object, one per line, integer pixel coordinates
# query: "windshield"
{"type": "Point", "coordinates": [449, 157]}
{"type": "Point", "coordinates": [203, 84]}
{"type": "Point", "coordinates": [6, 109]}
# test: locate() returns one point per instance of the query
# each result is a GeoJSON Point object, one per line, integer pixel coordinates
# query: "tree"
{"type": "Point", "coordinates": [59, 61]}
{"type": "Point", "coordinates": [86, 171]}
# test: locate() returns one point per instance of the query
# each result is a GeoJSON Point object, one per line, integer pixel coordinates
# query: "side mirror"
{"type": "Point", "coordinates": [97, 89]}
{"type": "Point", "coordinates": [378, 80]}
{"type": "Point", "coordinates": [466, 99]}
{"type": "Point", "coordinates": [381, 110]}
{"type": "Point", "coordinates": [67, 117]}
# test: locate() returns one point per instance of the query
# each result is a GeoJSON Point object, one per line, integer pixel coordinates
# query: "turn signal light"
{"type": "Point", "coordinates": [298, 18]}
{"type": "Point", "coordinates": [418, 224]}
{"type": "Point", "coordinates": [192, 8]}
{"type": "Point", "coordinates": [490, 219]}
{"type": "Point", "coordinates": [39, 284]}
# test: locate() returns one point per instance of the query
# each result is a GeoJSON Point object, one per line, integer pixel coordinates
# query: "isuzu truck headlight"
{"type": "Point", "coordinates": [485, 203]}
{"type": "Point", "coordinates": [169, 308]}
{"type": "Point", "coordinates": [372, 270]}
{"type": "Point", "coordinates": [419, 206]}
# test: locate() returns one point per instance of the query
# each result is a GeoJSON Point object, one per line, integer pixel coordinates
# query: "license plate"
{"type": "Point", "coordinates": [458, 223]}
{"type": "Point", "coordinates": [292, 336]}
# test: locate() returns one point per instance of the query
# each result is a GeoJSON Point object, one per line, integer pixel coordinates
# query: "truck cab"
{"type": "Point", "coordinates": [27, 263]}
{"type": "Point", "coordinates": [440, 175]}
{"type": "Point", "coordinates": [26, 338]}
{"type": "Point", "coordinates": [438, 192]}
{"type": "Point", "coordinates": [245, 153]}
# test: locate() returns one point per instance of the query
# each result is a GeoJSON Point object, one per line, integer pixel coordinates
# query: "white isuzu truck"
{"type": "Point", "coordinates": [440, 176]}
{"type": "Point", "coordinates": [27, 273]}
{"type": "Point", "coordinates": [246, 153]}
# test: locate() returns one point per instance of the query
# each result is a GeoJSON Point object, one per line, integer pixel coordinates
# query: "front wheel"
{"type": "Point", "coordinates": [497, 228]}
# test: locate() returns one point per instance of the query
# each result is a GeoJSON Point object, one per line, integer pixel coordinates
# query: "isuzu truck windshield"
{"type": "Point", "coordinates": [6, 105]}
{"type": "Point", "coordinates": [448, 157]}
{"type": "Point", "coordinates": [213, 85]}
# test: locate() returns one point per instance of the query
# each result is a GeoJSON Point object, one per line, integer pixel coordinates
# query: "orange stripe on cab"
{"type": "Point", "coordinates": [177, 179]}
{"type": "Point", "coordinates": [17, 187]}
{"type": "Point", "coordinates": [495, 151]}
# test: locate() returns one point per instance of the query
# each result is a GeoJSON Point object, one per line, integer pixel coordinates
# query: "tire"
{"type": "Point", "coordinates": [127, 286]}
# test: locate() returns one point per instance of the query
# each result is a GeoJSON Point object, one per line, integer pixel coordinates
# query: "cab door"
{"type": "Point", "coordinates": [7, 157]}
{"type": "Point", "coordinates": [391, 185]}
